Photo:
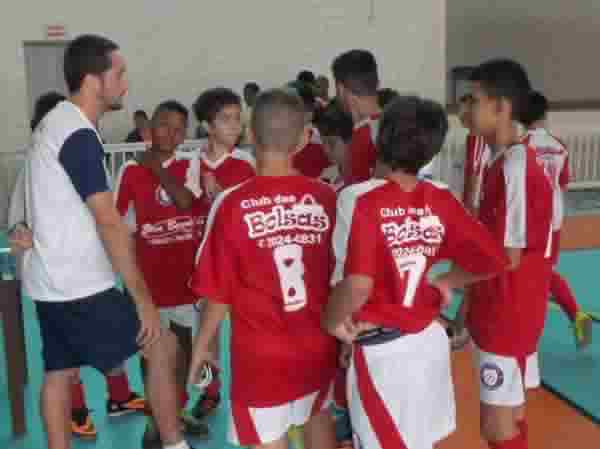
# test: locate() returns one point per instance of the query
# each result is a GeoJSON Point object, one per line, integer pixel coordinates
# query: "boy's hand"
{"type": "Point", "coordinates": [151, 161]}
{"type": "Point", "coordinates": [20, 239]}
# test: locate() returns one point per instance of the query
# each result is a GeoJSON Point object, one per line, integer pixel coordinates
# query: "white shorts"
{"type": "Point", "coordinates": [400, 393]}
{"type": "Point", "coordinates": [254, 426]}
{"type": "Point", "coordinates": [503, 380]}
{"type": "Point", "coordinates": [184, 316]}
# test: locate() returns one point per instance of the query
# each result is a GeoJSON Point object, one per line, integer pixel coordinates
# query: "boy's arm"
{"type": "Point", "coordinates": [181, 196]}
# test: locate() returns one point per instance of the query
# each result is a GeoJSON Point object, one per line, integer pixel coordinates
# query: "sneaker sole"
{"type": "Point", "coordinates": [124, 412]}
{"type": "Point", "coordinates": [85, 436]}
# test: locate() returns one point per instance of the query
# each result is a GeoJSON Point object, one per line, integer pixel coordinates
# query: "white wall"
{"type": "Point", "coordinates": [175, 49]}
{"type": "Point", "coordinates": [557, 40]}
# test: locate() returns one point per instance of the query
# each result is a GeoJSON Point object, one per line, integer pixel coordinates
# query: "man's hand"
{"type": "Point", "coordinates": [20, 239]}
{"type": "Point", "coordinates": [150, 328]}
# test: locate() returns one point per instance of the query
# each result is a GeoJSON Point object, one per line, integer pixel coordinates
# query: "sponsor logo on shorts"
{"type": "Point", "coordinates": [492, 376]}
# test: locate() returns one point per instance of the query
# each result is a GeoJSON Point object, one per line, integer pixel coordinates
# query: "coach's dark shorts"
{"type": "Point", "coordinates": [98, 331]}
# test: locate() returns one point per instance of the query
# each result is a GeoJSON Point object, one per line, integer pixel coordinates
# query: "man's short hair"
{"type": "Point", "coordinates": [357, 71]}
{"type": "Point", "coordinates": [170, 106]}
{"type": "Point", "coordinates": [278, 119]}
{"type": "Point", "coordinates": [411, 133]}
{"type": "Point", "coordinates": [213, 101]}
{"type": "Point", "coordinates": [44, 104]}
{"type": "Point", "coordinates": [504, 79]}
{"type": "Point", "coordinates": [140, 113]}
{"type": "Point", "coordinates": [86, 55]}
{"type": "Point", "coordinates": [536, 110]}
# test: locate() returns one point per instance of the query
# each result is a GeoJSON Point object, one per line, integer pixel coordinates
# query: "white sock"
{"type": "Point", "coordinates": [181, 445]}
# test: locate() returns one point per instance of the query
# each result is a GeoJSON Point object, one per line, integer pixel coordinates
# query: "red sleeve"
{"type": "Point", "coordinates": [124, 189]}
{"type": "Point", "coordinates": [215, 260]}
{"type": "Point", "coordinates": [468, 243]}
{"type": "Point", "coordinates": [362, 156]}
{"type": "Point", "coordinates": [564, 177]}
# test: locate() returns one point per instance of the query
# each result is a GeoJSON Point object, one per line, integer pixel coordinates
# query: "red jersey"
{"type": "Point", "coordinates": [477, 157]}
{"type": "Point", "coordinates": [395, 237]}
{"type": "Point", "coordinates": [312, 160]}
{"type": "Point", "coordinates": [554, 157]}
{"type": "Point", "coordinates": [267, 254]}
{"type": "Point", "coordinates": [362, 155]}
{"type": "Point", "coordinates": [166, 238]}
{"type": "Point", "coordinates": [507, 314]}
{"type": "Point", "coordinates": [231, 169]}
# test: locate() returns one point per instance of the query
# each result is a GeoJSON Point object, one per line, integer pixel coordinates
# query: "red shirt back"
{"type": "Point", "coordinates": [507, 313]}
{"type": "Point", "coordinates": [267, 254]}
{"type": "Point", "coordinates": [166, 238]}
{"type": "Point", "coordinates": [395, 237]}
{"type": "Point", "coordinates": [312, 160]}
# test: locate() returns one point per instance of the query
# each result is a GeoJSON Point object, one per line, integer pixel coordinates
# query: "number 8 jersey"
{"type": "Point", "coordinates": [395, 236]}
{"type": "Point", "coordinates": [267, 254]}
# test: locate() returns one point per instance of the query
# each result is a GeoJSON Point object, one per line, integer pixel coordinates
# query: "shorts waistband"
{"type": "Point", "coordinates": [378, 335]}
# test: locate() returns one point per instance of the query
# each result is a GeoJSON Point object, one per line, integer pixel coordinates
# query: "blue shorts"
{"type": "Point", "coordinates": [98, 331]}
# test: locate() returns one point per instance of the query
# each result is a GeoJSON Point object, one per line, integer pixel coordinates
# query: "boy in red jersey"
{"type": "Point", "coordinates": [389, 232]}
{"type": "Point", "coordinates": [265, 259]}
{"type": "Point", "coordinates": [554, 157]}
{"type": "Point", "coordinates": [507, 314]}
{"type": "Point", "coordinates": [161, 199]}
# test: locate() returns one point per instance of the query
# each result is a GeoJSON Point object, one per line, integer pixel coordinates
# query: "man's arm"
{"type": "Point", "coordinates": [82, 159]}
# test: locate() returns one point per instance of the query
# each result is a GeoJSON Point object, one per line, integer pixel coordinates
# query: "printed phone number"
{"type": "Point", "coordinates": [298, 239]}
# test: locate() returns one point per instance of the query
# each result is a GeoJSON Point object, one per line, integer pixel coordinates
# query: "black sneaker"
{"type": "Point", "coordinates": [135, 403]}
{"type": "Point", "coordinates": [81, 423]}
{"type": "Point", "coordinates": [193, 426]}
{"type": "Point", "coordinates": [151, 438]}
{"type": "Point", "coordinates": [206, 406]}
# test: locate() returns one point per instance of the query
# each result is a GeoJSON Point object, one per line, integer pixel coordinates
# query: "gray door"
{"type": "Point", "coordinates": [44, 69]}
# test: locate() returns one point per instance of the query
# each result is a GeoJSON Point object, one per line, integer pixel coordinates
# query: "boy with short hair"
{"type": "Point", "coordinates": [507, 314]}
{"type": "Point", "coordinates": [311, 160]}
{"type": "Point", "coordinates": [222, 165]}
{"type": "Point", "coordinates": [554, 157]}
{"type": "Point", "coordinates": [389, 233]}
{"type": "Point", "coordinates": [161, 199]}
{"type": "Point", "coordinates": [265, 259]}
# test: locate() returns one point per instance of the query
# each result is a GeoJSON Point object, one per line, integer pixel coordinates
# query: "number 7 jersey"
{"type": "Point", "coordinates": [267, 254]}
{"type": "Point", "coordinates": [394, 237]}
